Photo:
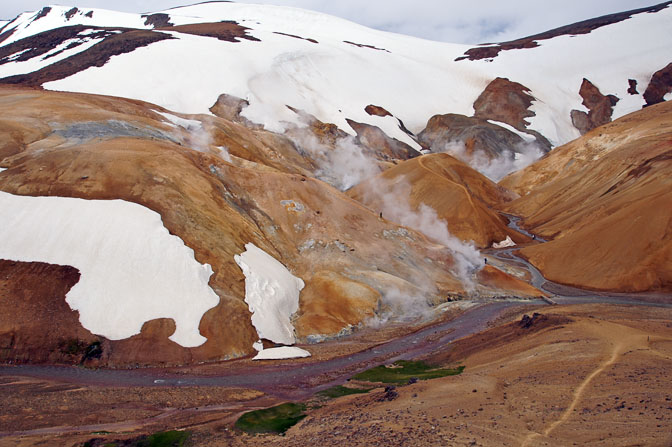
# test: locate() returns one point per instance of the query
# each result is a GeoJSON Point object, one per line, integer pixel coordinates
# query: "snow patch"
{"type": "Point", "coordinates": [667, 97]}
{"type": "Point", "coordinates": [3, 169]}
{"type": "Point", "coordinates": [506, 243]}
{"type": "Point", "coordinates": [525, 136]}
{"type": "Point", "coordinates": [189, 125]}
{"type": "Point", "coordinates": [272, 294]}
{"type": "Point", "coordinates": [283, 352]}
{"type": "Point", "coordinates": [132, 269]}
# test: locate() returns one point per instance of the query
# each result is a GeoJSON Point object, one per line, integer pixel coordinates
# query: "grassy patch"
{"type": "Point", "coordinates": [161, 439]}
{"type": "Point", "coordinates": [402, 371]}
{"type": "Point", "coordinates": [172, 438]}
{"type": "Point", "coordinates": [340, 391]}
{"type": "Point", "coordinates": [272, 420]}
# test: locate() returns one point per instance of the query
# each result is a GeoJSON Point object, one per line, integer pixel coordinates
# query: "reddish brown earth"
{"type": "Point", "coordinates": [58, 144]}
{"type": "Point", "coordinates": [600, 108]}
{"type": "Point", "coordinates": [228, 31]}
{"type": "Point", "coordinates": [461, 196]}
{"type": "Point", "coordinates": [604, 202]}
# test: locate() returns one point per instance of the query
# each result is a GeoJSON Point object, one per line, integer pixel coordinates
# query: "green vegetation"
{"type": "Point", "coordinates": [401, 372]}
{"type": "Point", "coordinates": [172, 438]}
{"type": "Point", "coordinates": [340, 391]}
{"type": "Point", "coordinates": [272, 420]}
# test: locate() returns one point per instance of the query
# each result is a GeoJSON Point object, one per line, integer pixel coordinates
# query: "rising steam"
{"type": "Point", "coordinates": [494, 168]}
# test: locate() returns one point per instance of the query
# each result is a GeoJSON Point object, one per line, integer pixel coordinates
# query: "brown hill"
{"type": "Point", "coordinates": [461, 196]}
{"type": "Point", "coordinates": [95, 147]}
{"type": "Point", "coordinates": [606, 201]}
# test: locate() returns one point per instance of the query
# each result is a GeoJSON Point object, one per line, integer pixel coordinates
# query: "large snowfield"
{"type": "Point", "coordinates": [333, 80]}
{"type": "Point", "coordinates": [272, 294]}
{"type": "Point", "coordinates": [132, 270]}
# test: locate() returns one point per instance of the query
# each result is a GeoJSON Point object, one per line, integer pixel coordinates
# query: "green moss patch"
{"type": "Point", "coordinates": [403, 371]}
{"type": "Point", "coordinates": [339, 391]}
{"type": "Point", "coordinates": [272, 420]}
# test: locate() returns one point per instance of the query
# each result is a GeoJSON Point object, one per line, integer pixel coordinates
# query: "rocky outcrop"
{"type": "Point", "coordinates": [229, 107]}
{"type": "Point", "coordinates": [228, 31]}
{"type": "Point", "coordinates": [660, 85]}
{"type": "Point", "coordinates": [379, 145]}
{"type": "Point", "coordinates": [376, 111]}
{"type": "Point", "coordinates": [508, 102]}
{"type": "Point", "coordinates": [477, 135]}
{"type": "Point", "coordinates": [600, 108]}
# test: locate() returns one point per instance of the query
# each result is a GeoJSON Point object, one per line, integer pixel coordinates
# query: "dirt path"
{"type": "Point", "coordinates": [621, 339]}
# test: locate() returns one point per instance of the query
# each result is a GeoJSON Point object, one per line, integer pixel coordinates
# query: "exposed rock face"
{"type": "Point", "coordinates": [505, 101]}
{"type": "Point", "coordinates": [157, 20]}
{"type": "Point", "coordinates": [376, 111]}
{"type": "Point", "coordinates": [604, 200]}
{"type": "Point", "coordinates": [478, 135]}
{"type": "Point", "coordinates": [632, 89]}
{"type": "Point", "coordinates": [508, 102]}
{"type": "Point", "coordinates": [379, 144]}
{"type": "Point", "coordinates": [488, 51]}
{"type": "Point", "coordinates": [660, 85]}
{"type": "Point", "coordinates": [600, 108]}
{"type": "Point", "coordinates": [229, 108]}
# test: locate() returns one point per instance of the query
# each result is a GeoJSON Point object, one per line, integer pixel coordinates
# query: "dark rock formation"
{"type": "Point", "coordinates": [390, 394]}
{"type": "Point", "coordinates": [229, 107]}
{"type": "Point", "coordinates": [505, 101]}
{"type": "Point", "coordinates": [71, 13]}
{"type": "Point", "coordinates": [376, 111]}
{"type": "Point", "coordinates": [508, 102]}
{"type": "Point", "coordinates": [379, 144]}
{"type": "Point", "coordinates": [600, 108]}
{"type": "Point", "coordinates": [157, 20]}
{"type": "Point", "coordinates": [477, 134]}
{"type": "Point", "coordinates": [660, 85]}
{"type": "Point", "coordinates": [632, 89]}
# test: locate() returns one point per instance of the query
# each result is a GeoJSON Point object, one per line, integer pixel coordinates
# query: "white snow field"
{"type": "Point", "coordinates": [272, 294]}
{"type": "Point", "coordinates": [281, 353]}
{"type": "Point", "coordinates": [132, 269]}
{"type": "Point", "coordinates": [412, 78]}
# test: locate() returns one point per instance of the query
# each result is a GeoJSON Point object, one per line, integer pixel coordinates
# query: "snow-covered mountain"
{"type": "Point", "coordinates": [274, 57]}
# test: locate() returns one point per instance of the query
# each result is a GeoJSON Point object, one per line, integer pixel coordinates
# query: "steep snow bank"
{"type": "Point", "coordinates": [132, 269]}
{"type": "Point", "coordinates": [271, 292]}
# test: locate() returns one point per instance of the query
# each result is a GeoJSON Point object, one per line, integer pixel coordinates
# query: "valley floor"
{"type": "Point", "coordinates": [591, 374]}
